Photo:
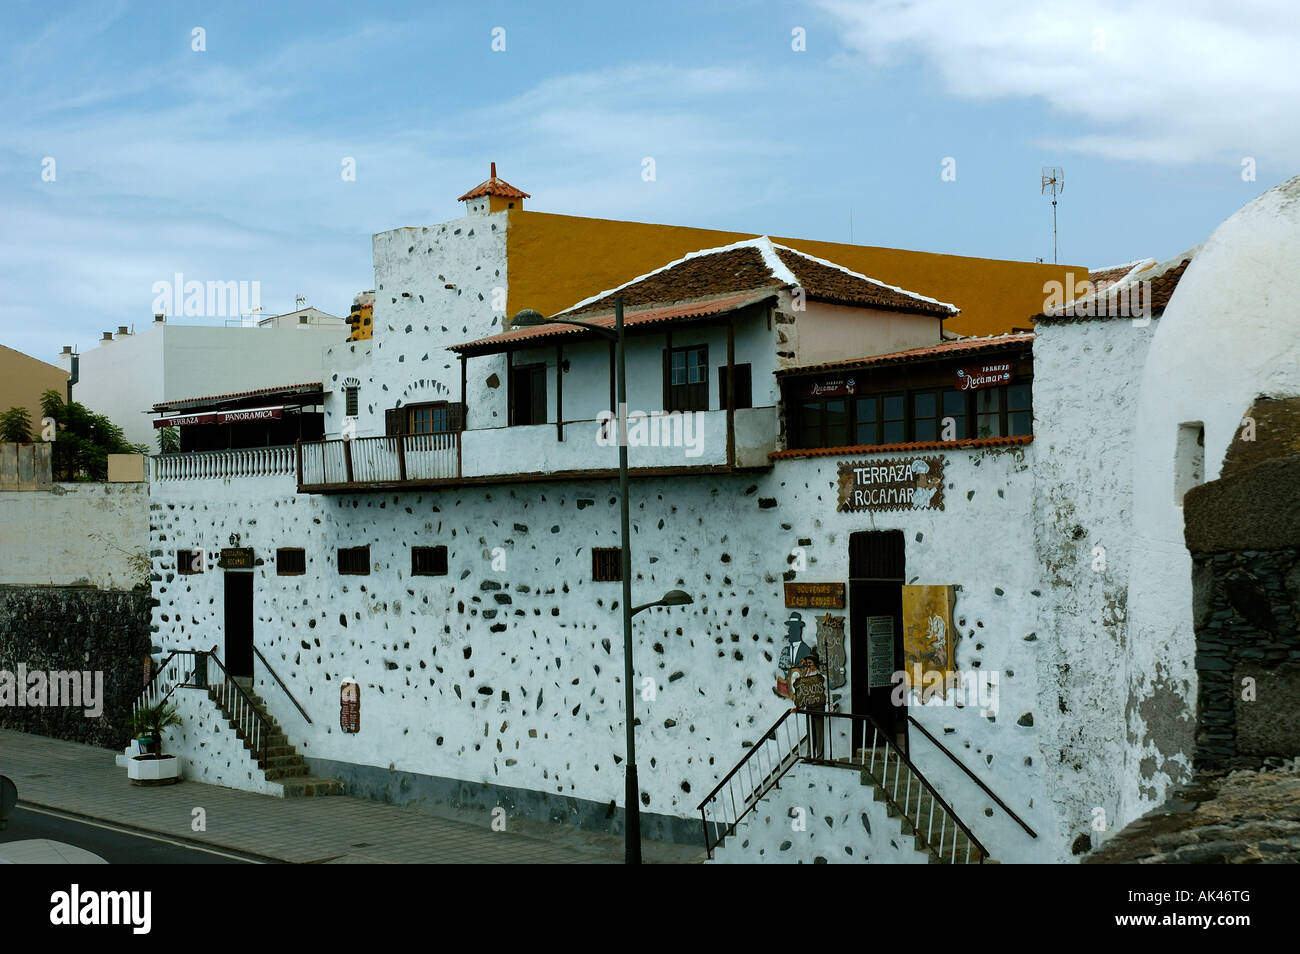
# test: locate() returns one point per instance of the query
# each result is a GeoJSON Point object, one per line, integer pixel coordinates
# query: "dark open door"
{"type": "Point", "coordinates": [239, 624]}
{"type": "Point", "coordinates": [876, 578]}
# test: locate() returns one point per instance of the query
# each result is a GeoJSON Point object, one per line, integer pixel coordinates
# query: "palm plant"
{"type": "Point", "coordinates": [148, 722]}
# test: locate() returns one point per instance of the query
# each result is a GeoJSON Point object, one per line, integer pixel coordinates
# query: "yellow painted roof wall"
{"type": "Point", "coordinates": [557, 260]}
{"type": "Point", "coordinates": [23, 378]}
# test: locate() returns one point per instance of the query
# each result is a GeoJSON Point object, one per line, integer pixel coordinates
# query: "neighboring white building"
{"type": "Point", "coordinates": [126, 373]}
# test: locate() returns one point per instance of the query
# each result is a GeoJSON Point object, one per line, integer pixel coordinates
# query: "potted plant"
{"type": "Point", "coordinates": [152, 767]}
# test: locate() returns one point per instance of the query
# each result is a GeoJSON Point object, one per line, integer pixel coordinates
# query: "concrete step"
{"type": "Point", "coordinates": [287, 771]}
{"type": "Point", "coordinates": [309, 786]}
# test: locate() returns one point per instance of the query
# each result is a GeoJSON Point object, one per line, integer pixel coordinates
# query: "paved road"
{"type": "Point", "coordinates": [115, 845]}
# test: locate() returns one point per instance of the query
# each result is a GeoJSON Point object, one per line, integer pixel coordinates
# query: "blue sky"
{"type": "Point", "coordinates": [224, 164]}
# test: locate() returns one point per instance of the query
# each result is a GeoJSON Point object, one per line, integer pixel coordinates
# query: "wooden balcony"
{"type": "Point", "coordinates": [378, 463]}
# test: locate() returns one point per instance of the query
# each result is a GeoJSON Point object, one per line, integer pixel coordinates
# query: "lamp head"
{"type": "Point", "coordinates": [677, 598]}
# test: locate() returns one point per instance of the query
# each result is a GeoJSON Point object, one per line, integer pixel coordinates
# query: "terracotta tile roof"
{"type": "Point", "coordinates": [279, 391]}
{"type": "Point", "coordinates": [1103, 278]}
{"type": "Point", "coordinates": [1146, 285]}
{"type": "Point", "coordinates": [958, 347]}
{"type": "Point", "coordinates": [754, 263]}
{"type": "Point", "coordinates": [973, 443]}
{"type": "Point", "coordinates": [658, 314]}
{"type": "Point", "coordinates": [494, 186]}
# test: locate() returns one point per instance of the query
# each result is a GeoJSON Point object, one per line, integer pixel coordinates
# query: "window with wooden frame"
{"type": "Point", "coordinates": [606, 564]}
{"type": "Point", "coordinates": [189, 561]}
{"type": "Point", "coordinates": [434, 418]}
{"type": "Point", "coordinates": [744, 386]}
{"type": "Point", "coordinates": [290, 561]}
{"type": "Point", "coordinates": [354, 561]}
{"type": "Point", "coordinates": [911, 405]}
{"type": "Point", "coordinates": [686, 373]}
{"type": "Point", "coordinates": [429, 561]}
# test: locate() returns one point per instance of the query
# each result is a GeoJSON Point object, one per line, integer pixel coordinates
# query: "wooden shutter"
{"type": "Point", "coordinates": [395, 422]}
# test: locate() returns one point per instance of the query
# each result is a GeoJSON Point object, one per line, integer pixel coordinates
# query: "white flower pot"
{"type": "Point", "coordinates": [143, 770]}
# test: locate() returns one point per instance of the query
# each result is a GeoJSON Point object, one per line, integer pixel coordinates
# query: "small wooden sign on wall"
{"type": "Point", "coordinates": [237, 558]}
{"type": "Point", "coordinates": [814, 595]}
{"type": "Point", "coordinates": [350, 706]}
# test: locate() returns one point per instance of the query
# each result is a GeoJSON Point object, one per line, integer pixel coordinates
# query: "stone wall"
{"type": "Point", "coordinates": [87, 630]}
{"type": "Point", "coordinates": [1244, 534]}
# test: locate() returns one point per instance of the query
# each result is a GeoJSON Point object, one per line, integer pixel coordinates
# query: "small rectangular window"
{"type": "Point", "coordinates": [189, 561]}
{"type": "Point", "coordinates": [988, 412]}
{"type": "Point", "coordinates": [606, 564]}
{"type": "Point", "coordinates": [925, 415]}
{"type": "Point", "coordinates": [866, 426]}
{"type": "Point", "coordinates": [354, 561]}
{"type": "Point", "coordinates": [744, 386]}
{"type": "Point", "coordinates": [429, 561]}
{"type": "Point", "coordinates": [688, 378]}
{"type": "Point", "coordinates": [290, 561]}
{"type": "Point", "coordinates": [351, 398]}
{"type": "Point", "coordinates": [893, 419]}
{"type": "Point", "coordinates": [1020, 416]}
{"type": "Point", "coordinates": [954, 410]}
{"type": "Point", "coordinates": [1189, 459]}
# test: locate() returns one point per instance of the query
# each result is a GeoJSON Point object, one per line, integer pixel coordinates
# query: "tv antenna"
{"type": "Point", "coordinates": [1053, 179]}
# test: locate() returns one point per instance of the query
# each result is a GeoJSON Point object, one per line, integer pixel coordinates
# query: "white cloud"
{"type": "Point", "coordinates": [1159, 80]}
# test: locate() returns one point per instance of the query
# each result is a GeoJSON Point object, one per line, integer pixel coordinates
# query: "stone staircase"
{"type": "Point", "coordinates": [943, 844]}
{"type": "Point", "coordinates": [281, 765]}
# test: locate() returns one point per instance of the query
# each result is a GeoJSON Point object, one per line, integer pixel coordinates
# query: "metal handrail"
{"type": "Point", "coordinates": [258, 739]}
{"type": "Point", "coordinates": [280, 682]}
{"type": "Point", "coordinates": [890, 745]}
{"type": "Point", "coordinates": [973, 777]}
{"type": "Point", "coordinates": [773, 776]}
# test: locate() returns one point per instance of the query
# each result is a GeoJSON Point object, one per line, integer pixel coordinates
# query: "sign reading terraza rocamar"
{"type": "Point", "coordinates": [983, 376]}
{"type": "Point", "coordinates": [896, 483]}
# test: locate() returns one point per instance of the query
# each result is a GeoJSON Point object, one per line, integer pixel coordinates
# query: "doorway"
{"type": "Point", "coordinates": [239, 624]}
{"type": "Point", "coordinates": [876, 578]}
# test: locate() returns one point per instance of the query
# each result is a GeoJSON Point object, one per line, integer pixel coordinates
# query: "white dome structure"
{"type": "Point", "coordinates": [1231, 332]}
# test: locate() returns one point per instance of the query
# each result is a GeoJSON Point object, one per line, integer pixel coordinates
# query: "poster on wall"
{"type": "Point", "coordinates": [895, 483]}
{"type": "Point", "coordinates": [350, 706]}
{"type": "Point", "coordinates": [830, 642]}
{"type": "Point", "coordinates": [880, 651]}
{"type": "Point", "coordinates": [928, 635]}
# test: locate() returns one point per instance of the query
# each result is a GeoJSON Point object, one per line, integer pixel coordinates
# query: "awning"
{"type": "Point", "coordinates": [223, 417]}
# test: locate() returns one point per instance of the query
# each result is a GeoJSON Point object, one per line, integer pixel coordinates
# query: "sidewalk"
{"type": "Point", "coordinates": [83, 780]}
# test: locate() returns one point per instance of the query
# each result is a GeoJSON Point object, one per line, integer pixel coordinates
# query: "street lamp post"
{"type": "Point", "coordinates": [632, 789]}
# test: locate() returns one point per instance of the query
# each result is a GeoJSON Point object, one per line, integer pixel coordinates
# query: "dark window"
{"type": "Point", "coordinates": [687, 373]}
{"type": "Point", "coordinates": [954, 407]}
{"type": "Point", "coordinates": [189, 561]}
{"type": "Point", "coordinates": [354, 561]}
{"type": "Point", "coordinates": [989, 406]}
{"type": "Point", "coordinates": [528, 394]}
{"type": "Point", "coordinates": [606, 564]}
{"type": "Point", "coordinates": [429, 561]}
{"type": "Point", "coordinates": [893, 419]}
{"type": "Point", "coordinates": [744, 386]}
{"type": "Point", "coordinates": [290, 561]}
{"type": "Point", "coordinates": [1020, 417]}
{"type": "Point", "coordinates": [824, 423]}
{"type": "Point", "coordinates": [866, 428]}
{"type": "Point", "coordinates": [351, 399]}
{"type": "Point", "coordinates": [925, 415]}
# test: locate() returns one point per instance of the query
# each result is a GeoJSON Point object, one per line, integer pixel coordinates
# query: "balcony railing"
{"type": "Point", "coordinates": [379, 460]}
{"type": "Point", "coordinates": [206, 465]}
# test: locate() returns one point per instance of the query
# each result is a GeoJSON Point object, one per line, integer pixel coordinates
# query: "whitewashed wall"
{"type": "Point", "coordinates": [1228, 335]}
{"type": "Point", "coordinates": [80, 533]}
{"type": "Point", "coordinates": [513, 677]}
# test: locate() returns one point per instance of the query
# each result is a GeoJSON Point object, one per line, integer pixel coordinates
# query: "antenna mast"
{"type": "Point", "coordinates": [1053, 179]}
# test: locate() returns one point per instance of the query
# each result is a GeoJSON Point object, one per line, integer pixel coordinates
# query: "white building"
{"type": "Point", "coordinates": [127, 372]}
{"type": "Point", "coordinates": [449, 555]}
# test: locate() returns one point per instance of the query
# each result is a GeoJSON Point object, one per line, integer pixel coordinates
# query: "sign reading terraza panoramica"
{"type": "Point", "coordinates": [897, 483]}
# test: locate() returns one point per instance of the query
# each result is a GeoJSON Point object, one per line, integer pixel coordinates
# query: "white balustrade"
{"type": "Point", "coordinates": [207, 465]}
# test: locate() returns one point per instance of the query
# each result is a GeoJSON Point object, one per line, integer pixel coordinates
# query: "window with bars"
{"type": "Point", "coordinates": [687, 373]}
{"type": "Point", "coordinates": [429, 561]}
{"type": "Point", "coordinates": [354, 561]}
{"type": "Point", "coordinates": [290, 561]}
{"type": "Point", "coordinates": [350, 401]}
{"type": "Point", "coordinates": [606, 564]}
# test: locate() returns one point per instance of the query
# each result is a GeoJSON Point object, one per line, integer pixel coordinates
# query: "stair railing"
{"type": "Point", "coordinates": [280, 682]}
{"type": "Point", "coordinates": [175, 671]}
{"type": "Point", "coordinates": [973, 777]}
{"type": "Point", "coordinates": [753, 776]}
{"type": "Point", "coordinates": [250, 724]}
